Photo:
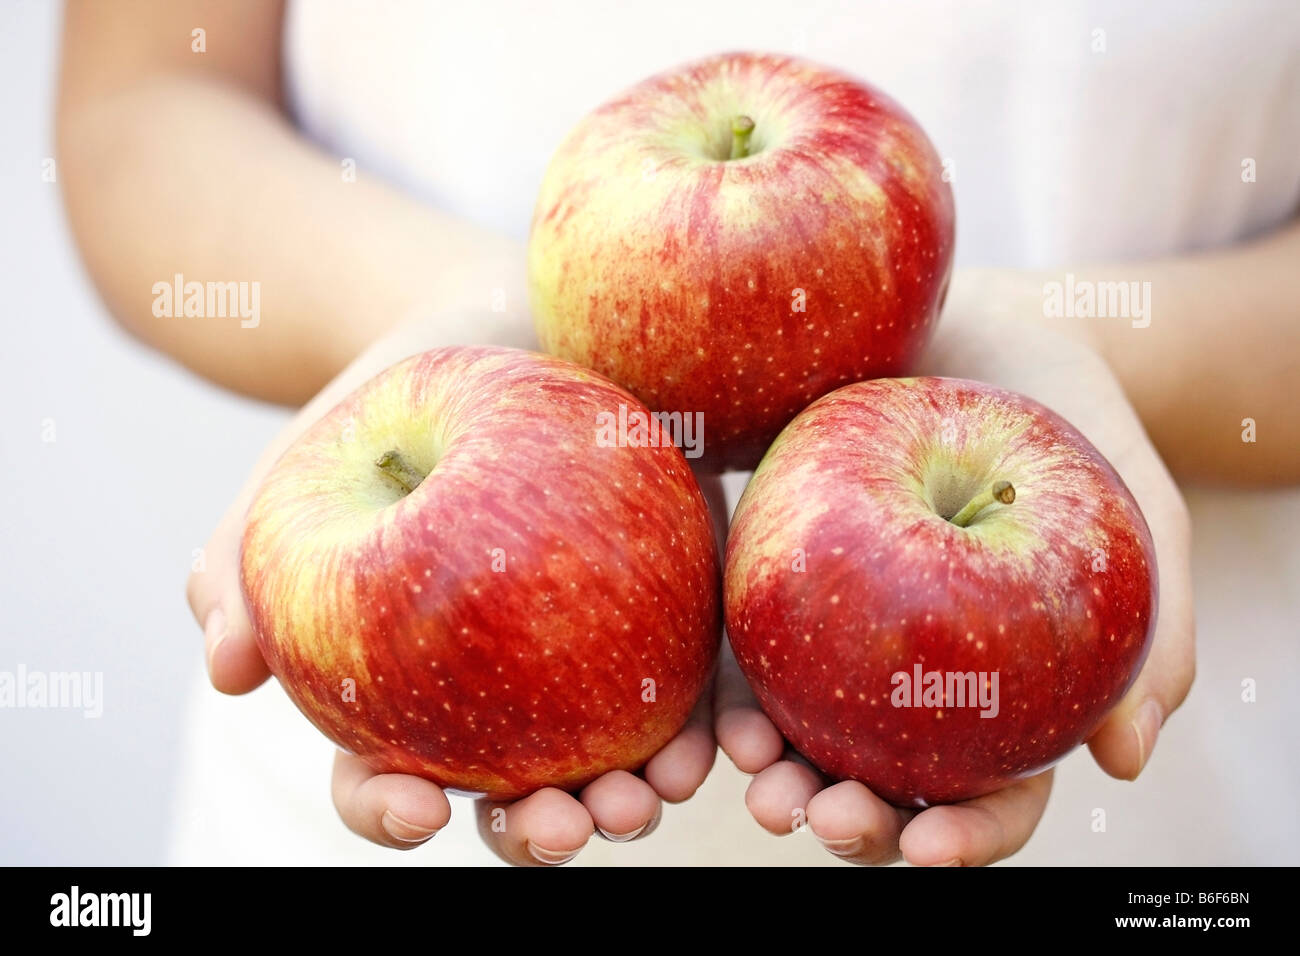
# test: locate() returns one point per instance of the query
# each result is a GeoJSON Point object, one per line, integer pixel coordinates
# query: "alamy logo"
{"type": "Point", "coordinates": [209, 300]}
{"type": "Point", "coordinates": [946, 689]}
{"type": "Point", "coordinates": [637, 429]}
{"type": "Point", "coordinates": [1086, 299]}
{"type": "Point", "coordinates": [55, 690]}
{"type": "Point", "coordinates": [102, 909]}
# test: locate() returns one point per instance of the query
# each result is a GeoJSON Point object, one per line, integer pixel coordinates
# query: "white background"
{"type": "Point", "coordinates": [97, 530]}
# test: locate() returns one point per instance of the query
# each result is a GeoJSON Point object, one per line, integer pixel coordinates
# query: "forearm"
{"type": "Point", "coordinates": [1218, 344]}
{"type": "Point", "coordinates": [184, 172]}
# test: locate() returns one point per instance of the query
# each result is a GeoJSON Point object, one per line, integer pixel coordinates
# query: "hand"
{"type": "Point", "coordinates": [980, 338]}
{"type": "Point", "coordinates": [399, 811]}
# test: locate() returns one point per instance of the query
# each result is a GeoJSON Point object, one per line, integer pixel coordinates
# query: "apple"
{"type": "Point", "coordinates": [739, 236]}
{"type": "Point", "coordinates": [937, 587]}
{"type": "Point", "coordinates": [454, 577]}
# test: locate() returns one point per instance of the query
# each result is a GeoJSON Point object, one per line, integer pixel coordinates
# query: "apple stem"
{"type": "Point", "coordinates": [399, 469]}
{"type": "Point", "coordinates": [741, 129]}
{"type": "Point", "coordinates": [1001, 491]}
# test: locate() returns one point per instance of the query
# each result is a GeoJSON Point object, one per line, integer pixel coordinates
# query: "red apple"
{"type": "Point", "coordinates": [453, 576]}
{"type": "Point", "coordinates": [738, 237]}
{"type": "Point", "coordinates": [900, 529]}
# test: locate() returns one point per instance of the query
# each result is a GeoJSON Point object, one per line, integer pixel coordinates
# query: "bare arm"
{"type": "Point", "coordinates": [174, 161]}
{"type": "Point", "coordinates": [1223, 345]}
{"type": "Point", "coordinates": [180, 162]}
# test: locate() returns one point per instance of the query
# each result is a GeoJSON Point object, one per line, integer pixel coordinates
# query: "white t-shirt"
{"type": "Point", "coordinates": [1076, 132]}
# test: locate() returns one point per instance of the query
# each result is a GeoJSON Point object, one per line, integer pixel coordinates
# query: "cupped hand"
{"type": "Point", "coordinates": [395, 810]}
{"type": "Point", "coordinates": [979, 338]}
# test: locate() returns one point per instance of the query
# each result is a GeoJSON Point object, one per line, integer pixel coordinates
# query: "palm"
{"type": "Point", "coordinates": [400, 811]}
{"type": "Point", "coordinates": [1028, 357]}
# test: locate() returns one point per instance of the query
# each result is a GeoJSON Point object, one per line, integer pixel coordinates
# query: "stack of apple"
{"type": "Point", "coordinates": [756, 243]}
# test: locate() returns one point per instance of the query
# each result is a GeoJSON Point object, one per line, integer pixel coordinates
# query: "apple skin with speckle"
{"type": "Point", "coordinates": [742, 288]}
{"type": "Point", "coordinates": [519, 605]}
{"type": "Point", "coordinates": [847, 584]}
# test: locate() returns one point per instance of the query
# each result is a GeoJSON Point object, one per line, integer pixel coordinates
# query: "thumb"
{"type": "Point", "coordinates": [1123, 743]}
{"type": "Point", "coordinates": [235, 664]}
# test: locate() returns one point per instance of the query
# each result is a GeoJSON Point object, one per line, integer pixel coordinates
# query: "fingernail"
{"type": "Point", "coordinates": [551, 857]}
{"type": "Point", "coordinates": [955, 861]}
{"type": "Point", "coordinates": [214, 632]}
{"type": "Point", "coordinates": [1146, 724]}
{"type": "Point", "coordinates": [623, 837]}
{"type": "Point", "coordinates": [399, 829]}
{"type": "Point", "coordinates": [847, 847]}
{"type": "Point", "coordinates": [653, 825]}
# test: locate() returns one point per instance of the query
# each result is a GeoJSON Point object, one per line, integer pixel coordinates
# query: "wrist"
{"type": "Point", "coordinates": [480, 301]}
{"type": "Point", "coordinates": [995, 329]}
{"type": "Point", "coordinates": [995, 297]}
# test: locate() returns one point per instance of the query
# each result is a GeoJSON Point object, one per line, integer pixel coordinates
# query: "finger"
{"type": "Point", "coordinates": [855, 824]}
{"type": "Point", "coordinates": [778, 797]}
{"type": "Point", "coordinates": [980, 831]}
{"type": "Point", "coordinates": [547, 828]}
{"type": "Point", "coordinates": [1123, 743]}
{"type": "Point", "coordinates": [744, 732]}
{"type": "Point", "coordinates": [678, 770]}
{"type": "Point", "coordinates": [390, 809]}
{"type": "Point", "coordinates": [622, 806]}
{"type": "Point", "coordinates": [235, 664]}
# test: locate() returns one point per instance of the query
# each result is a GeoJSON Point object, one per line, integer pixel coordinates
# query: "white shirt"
{"type": "Point", "coordinates": [1077, 131]}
